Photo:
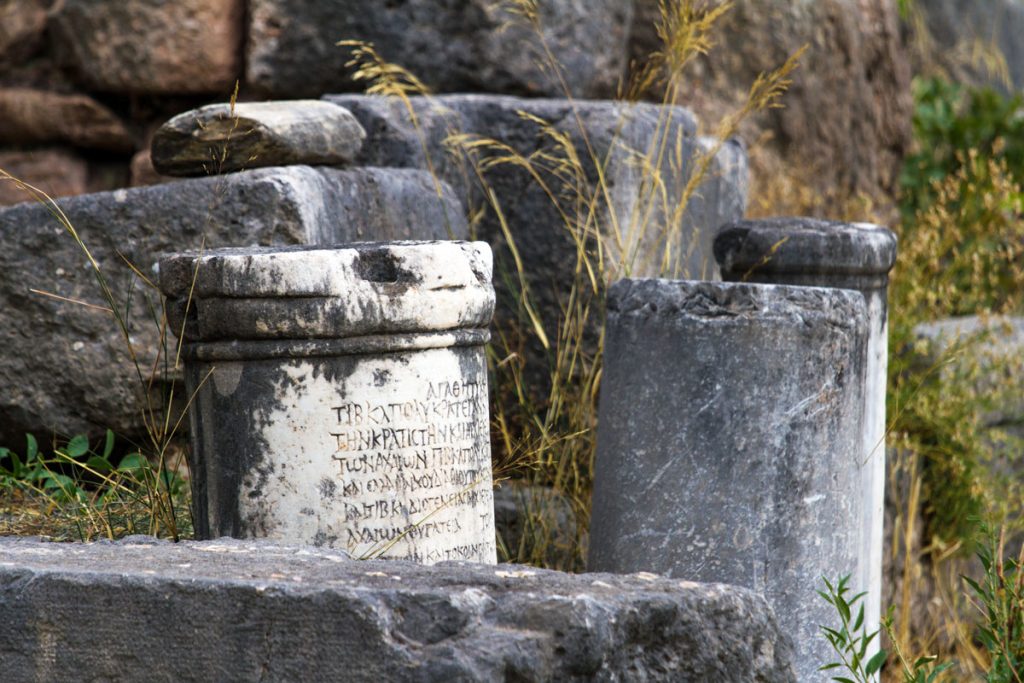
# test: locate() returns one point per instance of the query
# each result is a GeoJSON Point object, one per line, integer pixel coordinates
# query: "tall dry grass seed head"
{"type": "Point", "coordinates": [544, 432]}
{"type": "Point", "coordinates": [71, 490]}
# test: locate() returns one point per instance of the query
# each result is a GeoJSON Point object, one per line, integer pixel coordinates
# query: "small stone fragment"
{"type": "Point", "coordinates": [221, 138]}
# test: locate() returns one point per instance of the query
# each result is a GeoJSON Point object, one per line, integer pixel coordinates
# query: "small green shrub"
{"type": "Point", "coordinates": [950, 121]}
{"type": "Point", "coordinates": [852, 640]}
{"type": "Point", "coordinates": [85, 493]}
{"type": "Point", "coordinates": [999, 598]}
{"type": "Point", "coordinates": [961, 253]}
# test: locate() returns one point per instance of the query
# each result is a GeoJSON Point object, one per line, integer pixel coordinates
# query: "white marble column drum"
{"type": "Point", "coordinates": [340, 395]}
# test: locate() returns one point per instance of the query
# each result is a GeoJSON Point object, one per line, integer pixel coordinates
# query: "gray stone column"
{"type": "Point", "coordinates": [729, 441]}
{"type": "Point", "coordinates": [340, 395]}
{"type": "Point", "coordinates": [804, 251]}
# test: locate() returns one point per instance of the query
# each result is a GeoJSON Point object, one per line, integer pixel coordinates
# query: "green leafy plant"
{"type": "Point", "coordinates": [999, 599]}
{"type": "Point", "coordinates": [852, 640]}
{"type": "Point", "coordinates": [89, 493]}
{"type": "Point", "coordinates": [950, 121]}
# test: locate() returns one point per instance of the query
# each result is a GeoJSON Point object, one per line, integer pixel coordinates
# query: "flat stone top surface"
{"type": "Point", "coordinates": [805, 246]}
{"type": "Point", "coordinates": [683, 300]}
{"type": "Point", "coordinates": [257, 610]}
{"type": "Point", "coordinates": [339, 270]}
{"type": "Point", "coordinates": [331, 292]}
{"type": "Point", "coordinates": [297, 569]}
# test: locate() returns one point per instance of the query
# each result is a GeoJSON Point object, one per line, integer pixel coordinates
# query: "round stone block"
{"type": "Point", "coordinates": [340, 395]}
{"type": "Point", "coordinates": [818, 253]}
{"type": "Point", "coordinates": [728, 446]}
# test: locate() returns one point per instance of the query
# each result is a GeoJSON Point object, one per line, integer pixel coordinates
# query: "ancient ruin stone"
{"type": "Point", "coordinates": [623, 137]}
{"type": "Point", "coordinates": [152, 46]}
{"type": "Point", "coordinates": [618, 133]}
{"type": "Point", "coordinates": [846, 120]}
{"type": "Point", "coordinates": [67, 370]}
{"type": "Point", "coordinates": [452, 45]}
{"type": "Point", "coordinates": [340, 395]}
{"type": "Point", "coordinates": [729, 442]}
{"type": "Point", "coordinates": [807, 252]}
{"type": "Point", "coordinates": [220, 138]}
{"type": "Point", "coordinates": [56, 172]}
{"type": "Point", "coordinates": [198, 610]}
{"type": "Point", "coordinates": [35, 116]}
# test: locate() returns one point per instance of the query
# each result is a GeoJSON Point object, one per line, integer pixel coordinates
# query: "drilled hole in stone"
{"type": "Point", "coordinates": [380, 266]}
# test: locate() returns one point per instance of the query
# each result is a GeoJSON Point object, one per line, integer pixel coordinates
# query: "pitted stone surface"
{"type": "Point", "coordinates": [220, 138]}
{"type": "Point", "coordinates": [729, 441]}
{"type": "Point", "coordinates": [262, 610]}
{"type": "Point", "coordinates": [66, 369]}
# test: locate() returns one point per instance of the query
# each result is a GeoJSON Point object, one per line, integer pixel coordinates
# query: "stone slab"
{"type": "Point", "coordinates": [451, 45]}
{"type": "Point", "coordinates": [66, 368]}
{"type": "Point", "coordinates": [219, 138]}
{"type": "Point", "coordinates": [152, 46]}
{"type": "Point", "coordinates": [199, 611]}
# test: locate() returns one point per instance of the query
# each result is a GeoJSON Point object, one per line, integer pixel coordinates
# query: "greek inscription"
{"type": "Point", "coordinates": [413, 475]}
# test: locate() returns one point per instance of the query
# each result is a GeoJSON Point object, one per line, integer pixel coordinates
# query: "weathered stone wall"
{"type": "Point", "coordinates": [129, 66]}
{"type": "Point", "coordinates": [957, 27]}
{"type": "Point", "coordinates": [83, 84]}
{"type": "Point", "coordinates": [66, 366]}
{"type": "Point", "coordinates": [845, 124]}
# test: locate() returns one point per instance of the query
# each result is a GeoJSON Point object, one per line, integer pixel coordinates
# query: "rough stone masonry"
{"type": "Point", "coordinates": [66, 369]}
